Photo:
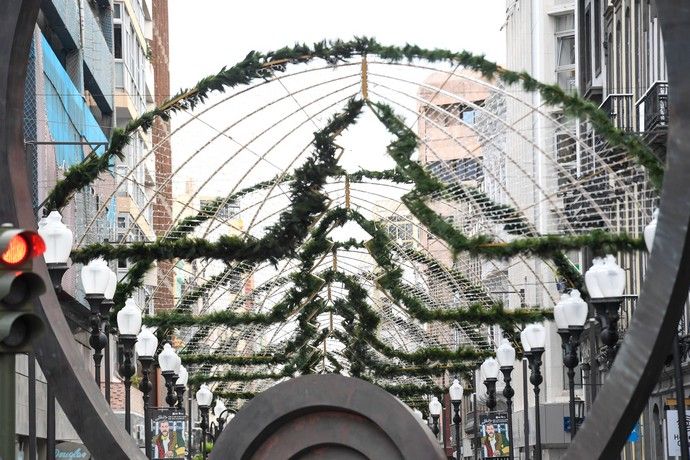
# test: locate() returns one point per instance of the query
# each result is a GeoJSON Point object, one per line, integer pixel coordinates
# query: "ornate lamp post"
{"type": "Point", "coordinates": [533, 340]}
{"type": "Point", "coordinates": [435, 409]}
{"type": "Point", "coordinates": [128, 325]}
{"type": "Point", "coordinates": [505, 355]}
{"type": "Point", "coordinates": [95, 277]}
{"type": "Point", "coordinates": [167, 361]}
{"type": "Point", "coordinates": [570, 314]}
{"type": "Point", "coordinates": [204, 396]}
{"type": "Point", "coordinates": [223, 415]}
{"type": "Point", "coordinates": [456, 391]}
{"type": "Point", "coordinates": [490, 369]}
{"type": "Point", "coordinates": [525, 396]}
{"type": "Point", "coordinates": [58, 238]}
{"type": "Point", "coordinates": [106, 305]}
{"type": "Point", "coordinates": [146, 347]}
{"type": "Point", "coordinates": [605, 282]}
{"type": "Point", "coordinates": [181, 386]}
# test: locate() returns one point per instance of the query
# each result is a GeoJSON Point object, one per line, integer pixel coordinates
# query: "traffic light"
{"type": "Point", "coordinates": [18, 285]}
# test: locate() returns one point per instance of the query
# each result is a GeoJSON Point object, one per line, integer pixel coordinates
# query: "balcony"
{"type": "Point", "coordinates": [619, 108]}
{"type": "Point", "coordinates": [652, 108]}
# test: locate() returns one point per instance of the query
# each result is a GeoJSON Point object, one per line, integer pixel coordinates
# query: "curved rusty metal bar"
{"type": "Point", "coordinates": [330, 412]}
{"type": "Point", "coordinates": [64, 367]}
{"type": "Point", "coordinates": [665, 290]}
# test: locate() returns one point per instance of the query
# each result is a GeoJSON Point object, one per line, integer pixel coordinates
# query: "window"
{"type": "Point", "coordinates": [597, 37]}
{"type": "Point", "coordinates": [117, 11]}
{"type": "Point", "coordinates": [628, 53]}
{"type": "Point", "coordinates": [565, 51]}
{"type": "Point", "coordinates": [448, 114]}
{"type": "Point", "coordinates": [587, 65]}
{"type": "Point", "coordinates": [117, 38]}
{"type": "Point", "coordinates": [458, 170]}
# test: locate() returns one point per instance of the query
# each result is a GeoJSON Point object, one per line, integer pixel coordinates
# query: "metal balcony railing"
{"type": "Point", "coordinates": [620, 109]}
{"type": "Point", "coordinates": [652, 108]}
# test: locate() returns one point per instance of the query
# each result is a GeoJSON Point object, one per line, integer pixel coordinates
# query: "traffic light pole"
{"type": "Point", "coordinates": [7, 406]}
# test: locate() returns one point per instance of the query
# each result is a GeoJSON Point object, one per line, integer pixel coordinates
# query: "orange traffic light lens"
{"type": "Point", "coordinates": [16, 252]}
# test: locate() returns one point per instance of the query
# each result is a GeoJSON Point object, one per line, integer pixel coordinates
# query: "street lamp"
{"type": "Point", "coordinates": [605, 282]}
{"type": "Point", "coordinates": [146, 347]}
{"type": "Point", "coordinates": [223, 415]}
{"type": "Point", "coordinates": [167, 361]}
{"type": "Point", "coordinates": [456, 391]}
{"type": "Point", "coordinates": [95, 277]}
{"type": "Point", "coordinates": [533, 339]}
{"type": "Point", "coordinates": [505, 355]}
{"type": "Point", "coordinates": [181, 386]}
{"type": "Point", "coordinates": [435, 411]}
{"type": "Point", "coordinates": [490, 370]}
{"type": "Point", "coordinates": [58, 238]}
{"type": "Point", "coordinates": [204, 396]}
{"type": "Point", "coordinates": [106, 305]}
{"type": "Point", "coordinates": [128, 326]}
{"type": "Point", "coordinates": [649, 231]}
{"type": "Point", "coordinates": [570, 314]}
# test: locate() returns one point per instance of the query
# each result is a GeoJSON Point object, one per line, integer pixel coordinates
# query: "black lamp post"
{"type": "Point", "coordinates": [95, 277]}
{"type": "Point", "coordinates": [456, 391]}
{"type": "Point", "coordinates": [570, 314]}
{"type": "Point", "coordinates": [105, 307]}
{"type": "Point", "coordinates": [181, 386]}
{"type": "Point", "coordinates": [204, 396]}
{"type": "Point", "coordinates": [128, 325]}
{"type": "Point", "coordinates": [505, 355]}
{"type": "Point", "coordinates": [168, 361]}
{"type": "Point", "coordinates": [605, 282]}
{"type": "Point", "coordinates": [97, 339]}
{"type": "Point", "coordinates": [57, 271]}
{"type": "Point", "coordinates": [223, 415]}
{"type": "Point", "coordinates": [533, 339]}
{"type": "Point", "coordinates": [435, 409]}
{"type": "Point", "coordinates": [58, 239]}
{"type": "Point", "coordinates": [490, 369]}
{"type": "Point", "coordinates": [146, 347]}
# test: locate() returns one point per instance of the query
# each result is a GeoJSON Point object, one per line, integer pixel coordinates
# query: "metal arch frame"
{"type": "Point", "coordinates": [625, 392]}
{"type": "Point", "coordinates": [64, 367]}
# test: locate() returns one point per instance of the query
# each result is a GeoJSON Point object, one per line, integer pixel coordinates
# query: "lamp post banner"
{"type": "Point", "coordinates": [672, 435]}
{"type": "Point", "coordinates": [495, 439]}
{"type": "Point", "coordinates": [167, 433]}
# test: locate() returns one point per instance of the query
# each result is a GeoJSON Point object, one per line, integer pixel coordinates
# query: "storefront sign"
{"type": "Point", "coordinates": [71, 450]}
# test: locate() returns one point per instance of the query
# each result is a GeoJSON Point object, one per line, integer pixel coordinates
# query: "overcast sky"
{"type": "Point", "coordinates": [207, 34]}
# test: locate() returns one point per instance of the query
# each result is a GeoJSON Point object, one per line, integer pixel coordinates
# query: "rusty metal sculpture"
{"type": "Point", "coordinates": [631, 380]}
{"type": "Point", "coordinates": [326, 416]}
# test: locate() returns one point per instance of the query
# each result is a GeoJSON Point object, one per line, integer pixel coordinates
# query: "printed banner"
{"type": "Point", "coordinates": [673, 433]}
{"type": "Point", "coordinates": [495, 438]}
{"type": "Point", "coordinates": [168, 428]}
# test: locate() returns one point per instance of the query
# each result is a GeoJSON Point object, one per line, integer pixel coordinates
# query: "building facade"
{"type": "Point", "coordinates": [91, 69]}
